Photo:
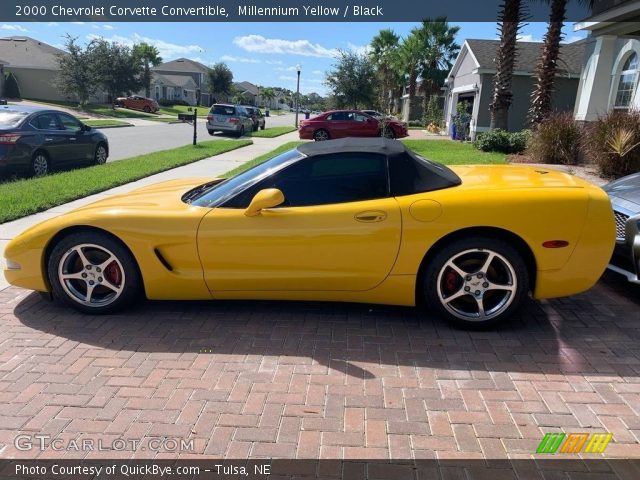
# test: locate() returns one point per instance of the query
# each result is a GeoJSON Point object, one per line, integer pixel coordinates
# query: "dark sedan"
{"type": "Point", "coordinates": [36, 141]}
{"type": "Point", "coordinates": [350, 123]}
{"type": "Point", "coordinates": [625, 198]}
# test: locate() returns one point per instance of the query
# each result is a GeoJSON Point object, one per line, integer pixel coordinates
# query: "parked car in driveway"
{"type": "Point", "coordinates": [35, 141]}
{"type": "Point", "coordinates": [257, 117]}
{"type": "Point", "coordinates": [136, 102]}
{"type": "Point", "coordinates": [228, 118]}
{"type": "Point", "coordinates": [350, 123]}
{"type": "Point", "coordinates": [625, 199]}
{"type": "Point", "coordinates": [356, 220]}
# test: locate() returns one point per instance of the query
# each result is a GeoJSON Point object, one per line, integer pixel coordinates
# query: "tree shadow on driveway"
{"type": "Point", "coordinates": [593, 334]}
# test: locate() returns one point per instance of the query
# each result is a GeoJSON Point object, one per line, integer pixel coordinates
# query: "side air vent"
{"type": "Point", "coordinates": [163, 260]}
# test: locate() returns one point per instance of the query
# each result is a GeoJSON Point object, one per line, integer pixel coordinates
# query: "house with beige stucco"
{"type": "Point", "coordinates": [609, 77]}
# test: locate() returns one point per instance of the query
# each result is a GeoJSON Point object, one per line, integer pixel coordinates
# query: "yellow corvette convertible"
{"type": "Point", "coordinates": [356, 220]}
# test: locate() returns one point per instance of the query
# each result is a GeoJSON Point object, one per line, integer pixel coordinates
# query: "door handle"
{"type": "Point", "coordinates": [371, 216]}
{"type": "Point", "coordinates": [48, 139]}
{"type": "Point", "coordinates": [72, 138]}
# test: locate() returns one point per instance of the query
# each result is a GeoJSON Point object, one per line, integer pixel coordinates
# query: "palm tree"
{"type": "Point", "coordinates": [510, 20]}
{"type": "Point", "coordinates": [384, 47]}
{"type": "Point", "coordinates": [238, 98]}
{"type": "Point", "coordinates": [149, 56]}
{"type": "Point", "coordinates": [548, 63]}
{"type": "Point", "coordinates": [409, 57]}
{"type": "Point", "coordinates": [439, 52]}
{"type": "Point", "coordinates": [268, 94]}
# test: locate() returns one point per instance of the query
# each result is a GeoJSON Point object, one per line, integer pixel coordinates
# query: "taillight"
{"type": "Point", "coordinates": [234, 120]}
{"type": "Point", "coordinates": [209, 118]}
{"type": "Point", "coordinates": [9, 138]}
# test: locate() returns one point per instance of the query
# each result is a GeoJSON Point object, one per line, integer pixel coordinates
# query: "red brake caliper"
{"type": "Point", "coordinates": [113, 274]}
{"type": "Point", "coordinates": [450, 281]}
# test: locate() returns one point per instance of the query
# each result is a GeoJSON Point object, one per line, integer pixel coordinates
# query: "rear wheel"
{"type": "Point", "coordinates": [476, 282]}
{"type": "Point", "coordinates": [100, 156]}
{"type": "Point", "coordinates": [40, 164]}
{"type": "Point", "coordinates": [262, 126]}
{"type": "Point", "coordinates": [241, 132]}
{"type": "Point", "coordinates": [93, 273]}
{"type": "Point", "coordinates": [211, 132]}
{"type": "Point", "coordinates": [321, 135]}
{"type": "Point", "coordinates": [146, 109]}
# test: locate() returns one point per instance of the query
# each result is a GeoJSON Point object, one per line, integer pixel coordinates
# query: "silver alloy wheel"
{"type": "Point", "coordinates": [101, 155]}
{"type": "Point", "coordinates": [91, 275]}
{"type": "Point", "coordinates": [321, 136]}
{"type": "Point", "coordinates": [388, 133]}
{"type": "Point", "coordinates": [477, 285]}
{"type": "Point", "coordinates": [40, 165]}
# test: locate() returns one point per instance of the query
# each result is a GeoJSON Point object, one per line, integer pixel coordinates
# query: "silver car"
{"type": "Point", "coordinates": [229, 119]}
{"type": "Point", "coordinates": [625, 198]}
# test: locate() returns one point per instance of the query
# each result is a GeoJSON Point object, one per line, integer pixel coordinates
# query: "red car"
{"type": "Point", "coordinates": [350, 123]}
{"type": "Point", "coordinates": [136, 102]}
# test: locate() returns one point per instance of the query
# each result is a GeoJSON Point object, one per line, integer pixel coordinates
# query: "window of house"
{"type": "Point", "coordinates": [627, 83]}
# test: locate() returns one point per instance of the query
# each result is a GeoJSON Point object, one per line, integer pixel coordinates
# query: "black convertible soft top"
{"type": "Point", "coordinates": [409, 172]}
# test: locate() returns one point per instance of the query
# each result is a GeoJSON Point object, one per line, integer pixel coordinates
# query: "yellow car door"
{"type": "Point", "coordinates": [337, 229]}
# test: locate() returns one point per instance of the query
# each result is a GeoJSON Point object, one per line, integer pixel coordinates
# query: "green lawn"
{"type": "Point", "coordinates": [262, 158]}
{"type": "Point", "coordinates": [272, 132]}
{"type": "Point", "coordinates": [106, 123]}
{"type": "Point", "coordinates": [174, 110]}
{"type": "Point", "coordinates": [32, 195]}
{"type": "Point", "coordinates": [165, 119]}
{"type": "Point", "coordinates": [95, 109]}
{"type": "Point", "coordinates": [453, 153]}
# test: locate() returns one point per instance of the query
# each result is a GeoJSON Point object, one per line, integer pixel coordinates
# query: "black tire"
{"type": "Point", "coordinates": [146, 109]}
{"type": "Point", "coordinates": [121, 273]}
{"type": "Point", "coordinates": [40, 164]}
{"type": "Point", "coordinates": [388, 133]}
{"type": "Point", "coordinates": [262, 126]}
{"type": "Point", "coordinates": [101, 154]}
{"type": "Point", "coordinates": [321, 135]}
{"type": "Point", "coordinates": [241, 132]}
{"type": "Point", "coordinates": [211, 132]}
{"type": "Point", "coordinates": [500, 288]}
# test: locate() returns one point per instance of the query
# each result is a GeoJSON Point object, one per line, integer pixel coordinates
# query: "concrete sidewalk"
{"type": "Point", "coordinates": [208, 167]}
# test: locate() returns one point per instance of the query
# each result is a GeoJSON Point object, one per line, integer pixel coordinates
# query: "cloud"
{"type": "Point", "coordinates": [52, 24]}
{"type": "Point", "coordinates": [260, 44]}
{"type": "Point", "coordinates": [167, 50]}
{"type": "Point", "coordinates": [359, 49]}
{"type": "Point", "coordinates": [528, 38]}
{"type": "Point", "coordinates": [287, 77]}
{"type": "Point", "coordinates": [13, 28]}
{"type": "Point", "coordinates": [574, 38]}
{"type": "Point", "coordinates": [108, 27]}
{"type": "Point", "coordinates": [318, 72]}
{"type": "Point", "coordinates": [287, 69]}
{"type": "Point", "coordinates": [229, 58]}
{"type": "Point", "coordinates": [78, 23]}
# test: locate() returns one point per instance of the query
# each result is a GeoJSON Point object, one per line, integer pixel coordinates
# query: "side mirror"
{"type": "Point", "coordinates": [85, 128]}
{"type": "Point", "coordinates": [267, 198]}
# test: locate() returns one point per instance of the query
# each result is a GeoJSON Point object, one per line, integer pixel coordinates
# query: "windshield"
{"type": "Point", "coordinates": [11, 118]}
{"type": "Point", "coordinates": [219, 193]}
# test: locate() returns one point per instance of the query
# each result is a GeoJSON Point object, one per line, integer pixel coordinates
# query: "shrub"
{"type": "Point", "coordinates": [433, 113]}
{"type": "Point", "coordinates": [502, 141]}
{"type": "Point", "coordinates": [556, 140]}
{"type": "Point", "coordinates": [170, 103]}
{"type": "Point", "coordinates": [612, 143]}
{"type": "Point", "coordinates": [11, 88]}
{"type": "Point", "coordinates": [416, 123]}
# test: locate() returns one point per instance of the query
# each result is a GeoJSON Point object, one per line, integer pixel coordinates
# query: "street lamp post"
{"type": "Point", "coordinates": [297, 94]}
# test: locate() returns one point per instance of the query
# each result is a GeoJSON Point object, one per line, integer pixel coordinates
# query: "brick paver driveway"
{"type": "Point", "coordinates": [265, 379]}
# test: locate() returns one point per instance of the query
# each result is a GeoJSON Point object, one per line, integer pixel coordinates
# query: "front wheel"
{"type": "Point", "coordinates": [93, 273]}
{"type": "Point", "coordinates": [388, 133]}
{"type": "Point", "coordinates": [476, 283]}
{"type": "Point", "coordinates": [100, 157]}
{"type": "Point", "coordinates": [321, 136]}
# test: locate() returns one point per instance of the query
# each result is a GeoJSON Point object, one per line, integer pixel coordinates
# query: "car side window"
{"type": "Point", "coordinates": [324, 180]}
{"type": "Point", "coordinates": [69, 123]}
{"type": "Point", "coordinates": [46, 121]}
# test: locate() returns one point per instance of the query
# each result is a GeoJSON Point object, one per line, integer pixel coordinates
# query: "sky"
{"type": "Point", "coordinates": [262, 53]}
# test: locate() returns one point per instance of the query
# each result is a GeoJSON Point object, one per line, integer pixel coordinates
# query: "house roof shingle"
{"type": "Point", "coordinates": [247, 87]}
{"type": "Point", "coordinates": [182, 65]}
{"type": "Point", "coordinates": [29, 52]}
{"type": "Point", "coordinates": [181, 81]}
{"type": "Point", "coordinates": [570, 60]}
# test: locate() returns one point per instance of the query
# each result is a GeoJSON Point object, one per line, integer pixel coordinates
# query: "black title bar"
{"type": "Point", "coordinates": [269, 10]}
